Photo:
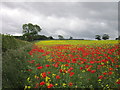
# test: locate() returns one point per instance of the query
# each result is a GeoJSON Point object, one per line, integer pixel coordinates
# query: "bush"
{"type": "Point", "coordinates": [14, 56]}
{"type": "Point", "coordinates": [9, 42]}
{"type": "Point", "coordinates": [14, 66]}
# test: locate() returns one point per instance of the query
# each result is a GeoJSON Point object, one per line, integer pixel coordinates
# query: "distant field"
{"type": "Point", "coordinates": [75, 42]}
{"type": "Point", "coordinates": [74, 64]}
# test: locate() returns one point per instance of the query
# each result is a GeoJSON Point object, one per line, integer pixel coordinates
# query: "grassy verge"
{"type": "Point", "coordinates": [14, 55]}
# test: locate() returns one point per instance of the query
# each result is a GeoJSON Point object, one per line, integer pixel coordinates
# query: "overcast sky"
{"type": "Point", "coordinates": [77, 19]}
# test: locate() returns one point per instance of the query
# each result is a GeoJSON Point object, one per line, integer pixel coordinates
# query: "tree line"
{"type": "Point", "coordinates": [30, 33]}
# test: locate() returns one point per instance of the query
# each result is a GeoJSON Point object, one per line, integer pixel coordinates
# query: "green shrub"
{"type": "Point", "coordinates": [14, 66]}
{"type": "Point", "coordinates": [14, 56]}
{"type": "Point", "coordinates": [9, 42]}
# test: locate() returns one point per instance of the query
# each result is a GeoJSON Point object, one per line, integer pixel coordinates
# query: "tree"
{"type": "Point", "coordinates": [50, 37]}
{"type": "Point", "coordinates": [98, 37]}
{"type": "Point", "coordinates": [60, 37]}
{"type": "Point", "coordinates": [30, 30]}
{"type": "Point", "coordinates": [105, 37]}
{"type": "Point", "coordinates": [71, 38]}
{"type": "Point", "coordinates": [118, 38]}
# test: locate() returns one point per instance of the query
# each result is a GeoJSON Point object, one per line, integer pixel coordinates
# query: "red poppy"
{"type": "Point", "coordinates": [81, 68]}
{"type": "Point", "coordinates": [57, 77]}
{"type": "Point", "coordinates": [100, 77]}
{"type": "Point", "coordinates": [72, 73]}
{"type": "Point", "coordinates": [39, 67]}
{"type": "Point", "coordinates": [110, 68]}
{"type": "Point", "coordinates": [110, 73]}
{"type": "Point", "coordinates": [86, 66]}
{"type": "Point", "coordinates": [71, 68]}
{"type": "Point", "coordinates": [60, 70]}
{"type": "Point", "coordinates": [105, 73]}
{"type": "Point", "coordinates": [93, 71]}
{"type": "Point", "coordinates": [66, 64]}
{"type": "Point", "coordinates": [49, 86]}
{"type": "Point", "coordinates": [88, 70]}
{"type": "Point", "coordinates": [48, 72]}
{"type": "Point", "coordinates": [47, 65]}
{"type": "Point", "coordinates": [116, 66]}
{"type": "Point", "coordinates": [118, 82]}
{"type": "Point", "coordinates": [44, 75]}
{"type": "Point", "coordinates": [92, 62]}
{"type": "Point", "coordinates": [42, 83]}
{"type": "Point", "coordinates": [70, 84]}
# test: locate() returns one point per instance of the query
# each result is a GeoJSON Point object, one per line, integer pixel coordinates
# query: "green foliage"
{"type": "Point", "coordinates": [118, 38]}
{"type": "Point", "coordinates": [9, 42]}
{"type": "Point", "coordinates": [98, 37]}
{"type": "Point", "coordinates": [70, 38]}
{"type": "Point", "coordinates": [105, 37]}
{"type": "Point", "coordinates": [50, 37]}
{"type": "Point", "coordinates": [30, 30]}
{"type": "Point", "coordinates": [14, 55]}
{"type": "Point", "coordinates": [40, 37]}
{"type": "Point", "coordinates": [14, 66]}
{"type": "Point", "coordinates": [60, 37]}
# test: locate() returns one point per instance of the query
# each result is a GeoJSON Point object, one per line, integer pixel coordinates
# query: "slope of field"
{"type": "Point", "coordinates": [74, 64]}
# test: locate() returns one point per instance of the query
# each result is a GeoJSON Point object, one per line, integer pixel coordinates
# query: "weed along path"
{"type": "Point", "coordinates": [73, 64]}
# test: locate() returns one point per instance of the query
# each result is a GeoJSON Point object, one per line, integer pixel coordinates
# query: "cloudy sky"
{"type": "Point", "coordinates": [76, 19]}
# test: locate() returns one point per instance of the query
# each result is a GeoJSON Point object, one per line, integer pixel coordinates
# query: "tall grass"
{"type": "Point", "coordinates": [14, 56]}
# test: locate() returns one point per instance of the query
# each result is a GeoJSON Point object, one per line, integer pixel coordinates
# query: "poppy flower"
{"type": "Point", "coordinates": [72, 73]}
{"type": "Point", "coordinates": [48, 72]}
{"type": "Point", "coordinates": [44, 75]}
{"type": "Point", "coordinates": [110, 68]}
{"type": "Point", "coordinates": [71, 68]}
{"type": "Point", "coordinates": [86, 66]}
{"type": "Point", "coordinates": [92, 62]}
{"type": "Point", "coordinates": [88, 70]}
{"type": "Point", "coordinates": [118, 82]}
{"type": "Point", "coordinates": [60, 70]}
{"type": "Point", "coordinates": [39, 67]}
{"type": "Point", "coordinates": [66, 64]}
{"type": "Point", "coordinates": [93, 71]}
{"type": "Point", "coordinates": [100, 77]}
{"type": "Point", "coordinates": [50, 85]}
{"type": "Point", "coordinates": [110, 73]}
{"type": "Point", "coordinates": [42, 83]}
{"type": "Point", "coordinates": [116, 66]}
{"type": "Point", "coordinates": [47, 65]}
{"type": "Point", "coordinates": [70, 84]}
{"type": "Point", "coordinates": [104, 73]}
{"type": "Point", "coordinates": [57, 77]}
{"type": "Point", "coordinates": [81, 68]}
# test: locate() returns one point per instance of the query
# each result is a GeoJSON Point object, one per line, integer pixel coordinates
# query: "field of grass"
{"type": "Point", "coordinates": [73, 64]}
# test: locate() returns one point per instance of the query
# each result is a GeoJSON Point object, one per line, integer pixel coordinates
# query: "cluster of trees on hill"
{"type": "Point", "coordinates": [104, 37]}
{"type": "Point", "coordinates": [30, 33]}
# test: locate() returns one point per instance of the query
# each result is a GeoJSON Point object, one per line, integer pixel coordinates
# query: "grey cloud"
{"type": "Point", "coordinates": [77, 19]}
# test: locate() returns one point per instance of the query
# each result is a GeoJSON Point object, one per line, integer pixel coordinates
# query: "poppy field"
{"type": "Point", "coordinates": [74, 64]}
